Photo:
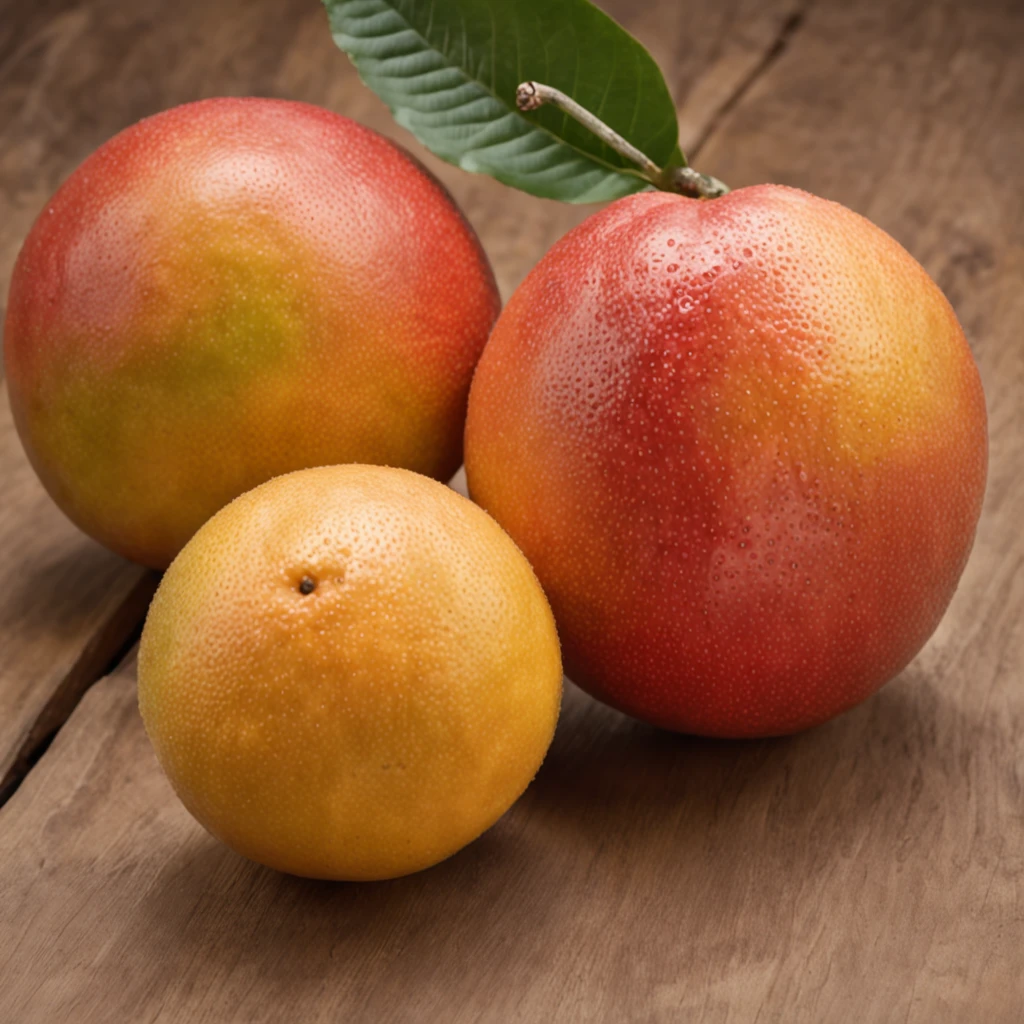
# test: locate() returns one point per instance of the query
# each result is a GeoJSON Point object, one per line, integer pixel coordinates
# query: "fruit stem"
{"type": "Point", "coordinates": [684, 180]}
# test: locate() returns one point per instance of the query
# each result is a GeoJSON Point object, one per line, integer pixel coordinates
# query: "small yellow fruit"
{"type": "Point", "coordinates": [349, 672]}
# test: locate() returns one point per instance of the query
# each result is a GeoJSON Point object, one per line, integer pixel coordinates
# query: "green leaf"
{"type": "Point", "coordinates": [448, 69]}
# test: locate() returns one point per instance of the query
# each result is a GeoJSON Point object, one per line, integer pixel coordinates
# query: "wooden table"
{"type": "Point", "coordinates": [870, 870]}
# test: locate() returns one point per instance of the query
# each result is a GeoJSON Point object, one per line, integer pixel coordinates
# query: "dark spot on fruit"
{"type": "Point", "coordinates": [307, 585]}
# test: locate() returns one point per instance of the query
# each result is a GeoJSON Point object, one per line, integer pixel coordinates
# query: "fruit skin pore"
{"type": "Point", "coordinates": [230, 290]}
{"type": "Point", "coordinates": [349, 672]}
{"type": "Point", "coordinates": [743, 443]}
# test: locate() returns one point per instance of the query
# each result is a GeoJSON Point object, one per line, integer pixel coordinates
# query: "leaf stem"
{"type": "Point", "coordinates": [685, 180]}
{"type": "Point", "coordinates": [531, 95]}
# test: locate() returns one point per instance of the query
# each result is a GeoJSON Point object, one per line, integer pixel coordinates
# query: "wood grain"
{"type": "Point", "coordinates": [871, 870]}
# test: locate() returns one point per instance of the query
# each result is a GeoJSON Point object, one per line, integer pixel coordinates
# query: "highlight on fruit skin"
{"type": "Point", "coordinates": [743, 443]}
{"type": "Point", "coordinates": [230, 290]}
{"type": "Point", "coordinates": [349, 673]}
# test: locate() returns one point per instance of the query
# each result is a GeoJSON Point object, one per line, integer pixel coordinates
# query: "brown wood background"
{"type": "Point", "coordinates": [870, 870]}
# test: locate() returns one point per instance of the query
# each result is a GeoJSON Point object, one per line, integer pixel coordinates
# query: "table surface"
{"type": "Point", "coordinates": [869, 870]}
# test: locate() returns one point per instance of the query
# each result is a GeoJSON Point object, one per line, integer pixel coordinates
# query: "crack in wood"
{"type": "Point", "coordinates": [778, 47]}
{"type": "Point", "coordinates": [104, 651]}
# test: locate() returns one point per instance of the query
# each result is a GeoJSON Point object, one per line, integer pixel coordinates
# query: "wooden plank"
{"type": "Point", "coordinates": [643, 876]}
{"type": "Point", "coordinates": [74, 75]}
{"type": "Point", "coordinates": [67, 608]}
{"type": "Point", "coordinates": [869, 870]}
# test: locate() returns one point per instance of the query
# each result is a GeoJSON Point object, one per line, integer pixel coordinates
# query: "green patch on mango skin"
{"type": "Point", "coordinates": [214, 342]}
{"type": "Point", "coordinates": [232, 311]}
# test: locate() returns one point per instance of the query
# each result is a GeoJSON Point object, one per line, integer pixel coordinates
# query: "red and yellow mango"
{"type": "Point", "coordinates": [231, 290]}
{"type": "Point", "coordinates": [743, 443]}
